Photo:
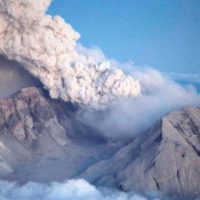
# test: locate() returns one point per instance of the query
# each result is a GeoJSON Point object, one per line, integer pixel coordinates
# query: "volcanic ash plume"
{"type": "Point", "coordinates": [46, 47]}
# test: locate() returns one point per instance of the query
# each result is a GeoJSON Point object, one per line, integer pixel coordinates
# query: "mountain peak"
{"type": "Point", "coordinates": [166, 159]}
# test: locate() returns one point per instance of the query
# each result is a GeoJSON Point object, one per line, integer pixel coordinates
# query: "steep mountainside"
{"type": "Point", "coordinates": [40, 140]}
{"type": "Point", "coordinates": [166, 158]}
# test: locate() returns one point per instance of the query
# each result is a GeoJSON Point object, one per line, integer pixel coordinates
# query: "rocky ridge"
{"type": "Point", "coordinates": [41, 141]}
{"type": "Point", "coordinates": [166, 158]}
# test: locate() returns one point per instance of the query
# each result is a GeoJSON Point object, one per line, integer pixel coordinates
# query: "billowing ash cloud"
{"type": "Point", "coordinates": [128, 117]}
{"type": "Point", "coordinates": [46, 47]}
{"type": "Point", "coordinates": [70, 190]}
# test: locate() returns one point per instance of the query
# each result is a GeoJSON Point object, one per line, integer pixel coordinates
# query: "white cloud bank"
{"type": "Point", "coordinates": [46, 47]}
{"type": "Point", "coordinates": [70, 190]}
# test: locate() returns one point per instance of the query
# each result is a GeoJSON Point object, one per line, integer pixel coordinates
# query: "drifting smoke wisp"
{"type": "Point", "coordinates": [46, 47]}
{"type": "Point", "coordinates": [70, 190]}
{"type": "Point", "coordinates": [128, 117]}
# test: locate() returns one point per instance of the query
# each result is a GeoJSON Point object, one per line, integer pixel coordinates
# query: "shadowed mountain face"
{"type": "Point", "coordinates": [41, 140]}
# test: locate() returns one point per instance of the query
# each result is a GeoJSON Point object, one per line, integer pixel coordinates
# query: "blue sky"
{"type": "Point", "coordinates": [164, 34]}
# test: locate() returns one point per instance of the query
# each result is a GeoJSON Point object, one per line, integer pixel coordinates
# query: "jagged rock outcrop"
{"type": "Point", "coordinates": [27, 124]}
{"type": "Point", "coordinates": [165, 159]}
{"type": "Point", "coordinates": [27, 115]}
{"type": "Point", "coordinates": [40, 140]}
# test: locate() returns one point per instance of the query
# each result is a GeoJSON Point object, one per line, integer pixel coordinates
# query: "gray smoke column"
{"type": "Point", "coordinates": [46, 47]}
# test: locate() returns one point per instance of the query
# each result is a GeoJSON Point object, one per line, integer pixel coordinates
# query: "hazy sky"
{"type": "Point", "coordinates": [164, 34]}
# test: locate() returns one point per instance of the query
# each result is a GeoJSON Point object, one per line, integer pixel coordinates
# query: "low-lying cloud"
{"type": "Point", "coordinates": [70, 190]}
